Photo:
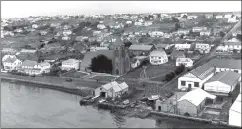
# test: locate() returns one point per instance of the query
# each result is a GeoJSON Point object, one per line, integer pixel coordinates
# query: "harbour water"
{"type": "Point", "coordinates": [26, 106]}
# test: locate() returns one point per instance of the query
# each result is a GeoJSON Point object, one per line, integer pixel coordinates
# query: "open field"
{"type": "Point", "coordinates": [102, 78]}
{"type": "Point", "coordinates": [75, 74]}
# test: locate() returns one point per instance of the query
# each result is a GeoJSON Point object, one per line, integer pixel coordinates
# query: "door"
{"type": "Point", "coordinates": [103, 94]}
{"type": "Point", "coordinates": [159, 108]}
{"type": "Point", "coordinates": [189, 87]}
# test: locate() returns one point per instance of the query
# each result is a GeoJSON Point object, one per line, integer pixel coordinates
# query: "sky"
{"type": "Point", "coordinates": [11, 9]}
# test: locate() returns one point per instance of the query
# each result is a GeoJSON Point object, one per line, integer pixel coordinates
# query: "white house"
{"type": "Point", "coordinates": [8, 56]}
{"type": "Point", "coordinates": [187, 62]}
{"type": "Point", "coordinates": [203, 47]}
{"type": "Point", "coordinates": [138, 23]}
{"type": "Point", "coordinates": [67, 32]}
{"type": "Point", "coordinates": [191, 17]}
{"type": "Point", "coordinates": [35, 26]}
{"type": "Point", "coordinates": [218, 16]}
{"type": "Point", "coordinates": [156, 33]}
{"type": "Point", "coordinates": [66, 38]}
{"type": "Point", "coordinates": [227, 15]}
{"type": "Point", "coordinates": [101, 26]}
{"type": "Point", "coordinates": [11, 63]}
{"type": "Point", "coordinates": [199, 29]}
{"type": "Point", "coordinates": [148, 23]}
{"type": "Point", "coordinates": [158, 57]}
{"type": "Point", "coordinates": [205, 33]}
{"type": "Point", "coordinates": [182, 46]}
{"type": "Point", "coordinates": [232, 19]}
{"type": "Point", "coordinates": [196, 78]}
{"type": "Point", "coordinates": [223, 82]}
{"type": "Point", "coordinates": [183, 31]}
{"type": "Point", "coordinates": [235, 112]}
{"type": "Point", "coordinates": [70, 64]}
{"type": "Point", "coordinates": [136, 61]}
{"type": "Point", "coordinates": [44, 67]}
{"type": "Point", "coordinates": [221, 49]}
{"type": "Point", "coordinates": [233, 44]}
{"type": "Point", "coordinates": [226, 65]}
{"type": "Point", "coordinates": [111, 90]}
{"type": "Point", "coordinates": [129, 22]}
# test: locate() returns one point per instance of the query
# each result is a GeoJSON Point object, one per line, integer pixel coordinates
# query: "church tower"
{"type": "Point", "coordinates": [121, 61]}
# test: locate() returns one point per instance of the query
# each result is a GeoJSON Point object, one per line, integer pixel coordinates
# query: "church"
{"type": "Point", "coordinates": [119, 56]}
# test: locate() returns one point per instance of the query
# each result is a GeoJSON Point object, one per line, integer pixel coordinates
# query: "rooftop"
{"type": "Point", "coordinates": [200, 96]}
{"type": "Point", "coordinates": [160, 52]}
{"type": "Point", "coordinates": [226, 77]}
{"type": "Point", "coordinates": [202, 71]}
{"type": "Point", "coordinates": [225, 63]}
{"type": "Point", "coordinates": [141, 47]}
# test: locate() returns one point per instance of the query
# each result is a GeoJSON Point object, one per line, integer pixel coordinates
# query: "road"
{"type": "Point", "coordinates": [232, 30]}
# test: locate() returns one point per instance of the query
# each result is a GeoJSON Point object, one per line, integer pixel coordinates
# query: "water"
{"type": "Point", "coordinates": [25, 106]}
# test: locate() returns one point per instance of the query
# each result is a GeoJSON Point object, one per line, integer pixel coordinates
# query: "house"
{"type": "Point", "coordinates": [203, 47]}
{"type": "Point", "coordinates": [67, 32]}
{"type": "Point", "coordinates": [148, 23]}
{"type": "Point", "coordinates": [235, 113]}
{"type": "Point", "coordinates": [177, 54]}
{"type": "Point", "coordinates": [209, 16]}
{"type": "Point", "coordinates": [226, 65]}
{"type": "Point", "coordinates": [182, 46]}
{"type": "Point", "coordinates": [44, 66]}
{"type": "Point", "coordinates": [35, 26]}
{"type": "Point", "coordinates": [191, 17]}
{"type": "Point", "coordinates": [221, 49]}
{"type": "Point", "coordinates": [98, 48]}
{"type": "Point", "coordinates": [218, 16]}
{"type": "Point", "coordinates": [156, 33]}
{"type": "Point", "coordinates": [139, 49]}
{"type": "Point", "coordinates": [187, 62]}
{"type": "Point", "coordinates": [163, 46]}
{"type": "Point", "coordinates": [28, 51]}
{"type": "Point", "coordinates": [66, 38]}
{"type": "Point", "coordinates": [101, 26]}
{"type": "Point", "coordinates": [228, 16]}
{"type": "Point", "coordinates": [168, 105]}
{"type": "Point", "coordinates": [11, 63]}
{"type": "Point", "coordinates": [193, 102]}
{"type": "Point", "coordinates": [205, 33]}
{"type": "Point", "coordinates": [233, 44]}
{"type": "Point", "coordinates": [8, 56]}
{"type": "Point", "coordinates": [223, 82]}
{"type": "Point", "coordinates": [120, 60]}
{"type": "Point", "coordinates": [138, 23]}
{"type": "Point", "coordinates": [129, 22]}
{"type": "Point", "coordinates": [199, 29]}
{"type": "Point", "coordinates": [158, 57]}
{"type": "Point", "coordinates": [232, 19]}
{"type": "Point", "coordinates": [111, 90]}
{"type": "Point", "coordinates": [196, 78]}
{"type": "Point", "coordinates": [70, 64]}
{"type": "Point", "coordinates": [136, 61]}
{"type": "Point", "coordinates": [28, 67]}
{"type": "Point", "coordinates": [183, 31]}
{"type": "Point", "coordinates": [43, 32]}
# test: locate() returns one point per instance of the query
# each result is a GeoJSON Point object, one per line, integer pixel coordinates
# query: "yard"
{"type": "Point", "coordinates": [74, 74]}
{"type": "Point", "coordinates": [102, 78]}
{"type": "Point", "coordinates": [155, 73]}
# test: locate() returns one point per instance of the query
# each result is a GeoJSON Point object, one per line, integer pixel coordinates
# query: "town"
{"type": "Point", "coordinates": [181, 64]}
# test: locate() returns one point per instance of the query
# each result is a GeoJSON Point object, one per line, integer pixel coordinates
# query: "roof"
{"type": "Point", "coordinates": [226, 77]}
{"type": "Point", "coordinates": [196, 96]}
{"type": "Point", "coordinates": [10, 60]}
{"type": "Point", "coordinates": [158, 53]}
{"type": "Point", "coordinates": [141, 47]}
{"type": "Point", "coordinates": [70, 61]}
{"type": "Point", "coordinates": [236, 106]}
{"type": "Point", "coordinates": [177, 53]}
{"type": "Point", "coordinates": [115, 86]}
{"type": "Point", "coordinates": [44, 64]}
{"type": "Point", "coordinates": [225, 63]}
{"type": "Point", "coordinates": [183, 60]}
{"type": "Point", "coordinates": [86, 62]}
{"type": "Point", "coordinates": [28, 51]}
{"type": "Point", "coordinates": [107, 86]}
{"type": "Point", "coordinates": [30, 63]}
{"type": "Point", "coordinates": [202, 71]}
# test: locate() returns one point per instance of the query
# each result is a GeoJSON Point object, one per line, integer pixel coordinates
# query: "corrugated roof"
{"type": "Point", "coordinates": [237, 105]}
{"type": "Point", "coordinates": [202, 71]}
{"type": "Point", "coordinates": [226, 77]}
{"type": "Point", "coordinates": [196, 96]}
{"type": "Point", "coordinates": [86, 62]}
{"type": "Point", "coordinates": [225, 63]}
{"type": "Point", "coordinates": [10, 60]}
{"type": "Point", "coordinates": [141, 47]}
{"type": "Point", "coordinates": [158, 53]}
{"type": "Point", "coordinates": [30, 63]}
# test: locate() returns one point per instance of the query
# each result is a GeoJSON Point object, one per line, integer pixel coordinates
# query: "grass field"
{"type": "Point", "coordinates": [103, 78]}
{"type": "Point", "coordinates": [75, 74]}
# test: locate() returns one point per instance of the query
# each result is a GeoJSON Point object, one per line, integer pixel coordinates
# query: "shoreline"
{"type": "Point", "coordinates": [81, 92]}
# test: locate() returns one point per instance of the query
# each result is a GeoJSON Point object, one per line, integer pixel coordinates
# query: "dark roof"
{"type": "Point", "coordinates": [177, 53]}
{"type": "Point", "coordinates": [226, 77]}
{"type": "Point", "coordinates": [225, 63]}
{"type": "Point", "coordinates": [202, 71]}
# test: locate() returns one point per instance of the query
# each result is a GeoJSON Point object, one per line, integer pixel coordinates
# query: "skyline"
{"type": "Point", "coordinates": [19, 9]}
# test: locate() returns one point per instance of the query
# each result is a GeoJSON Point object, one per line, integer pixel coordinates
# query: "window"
{"type": "Point", "coordinates": [196, 84]}
{"type": "Point", "coordinates": [159, 57]}
{"type": "Point", "coordinates": [236, 71]}
{"type": "Point", "coordinates": [183, 83]}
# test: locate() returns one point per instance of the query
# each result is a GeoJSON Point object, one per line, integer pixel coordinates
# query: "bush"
{"type": "Point", "coordinates": [169, 76]}
{"type": "Point", "coordinates": [179, 69]}
{"type": "Point", "coordinates": [187, 114]}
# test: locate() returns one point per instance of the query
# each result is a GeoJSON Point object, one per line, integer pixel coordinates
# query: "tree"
{"type": "Point", "coordinates": [179, 69]}
{"type": "Point", "coordinates": [177, 26]}
{"type": "Point", "coordinates": [174, 19]}
{"type": "Point", "coordinates": [101, 64]}
{"type": "Point", "coordinates": [169, 76]}
{"type": "Point", "coordinates": [127, 44]}
{"type": "Point", "coordinates": [221, 33]}
{"type": "Point", "coordinates": [182, 36]}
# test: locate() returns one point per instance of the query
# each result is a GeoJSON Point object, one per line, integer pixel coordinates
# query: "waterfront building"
{"type": "Point", "coordinates": [70, 64]}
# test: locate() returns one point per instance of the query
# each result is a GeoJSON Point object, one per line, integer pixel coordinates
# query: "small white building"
{"type": "Point", "coordinates": [219, 16]}
{"type": "Point", "coordinates": [187, 62]}
{"type": "Point", "coordinates": [66, 38]}
{"type": "Point", "coordinates": [101, 26]}
{"type": "Point", "coordinates": [148, 23]}
{"type": "Point", "coordinates": [182, 46]}
{"type": "Point", "coordinates": [205, 33]}
{"type": "Point", "coordinates": [158, 57]}
{"type": "Point", "coordinates": [196, 78]}
{"type": "Point", "coordinates": [11, 63]}
{"type": "Point", "coordinates": [70, 64]}
{"type": "Point", "coordinates": [199, 29]}
{"type": "Point", "coordinates": [138, 23]}
{"type": "Point", "coordinates": [136, 61]}
{"type": "Point", "coordinates": [203, 47]}
{"type": "Point", "coordinates": [67, 32]}
{"type": "Point", "coordinates": [129, 22]}
{"type": "Point", "coordinates": [111, 90]}
{"type": "Point", "coordinates": [223, 82]}
{"type": "Point", "coordinates": [35, 26]}
{"type": "Point", "coordinates": [156, 33]}
{"type": "Point", "coordinates": [8, 56]}
{"type": "Point", "coordinates": [44, 67]}
{"type": "Point", "coordinates": [232, 19]}
{"type": "Point", "coordinates": [233, 44]}
{"type": "Point", "coordinates": [226, 65]}
{"type": "Point", "coordinates": [235, 112]}
{"type": "Point", "coordinates": [191, 17]}
{"type": "Point", "coordinates": [183, 31]}
{"type": "Point", "coordinates": [221, 49]}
